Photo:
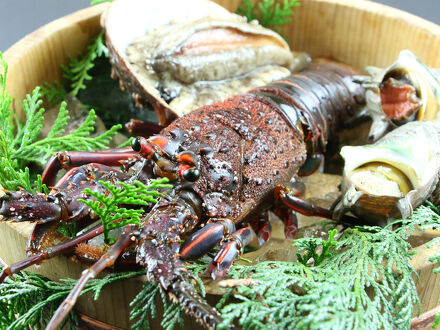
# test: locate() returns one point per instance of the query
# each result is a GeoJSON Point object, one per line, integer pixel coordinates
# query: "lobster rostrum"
{"type": "Point", "coordinates": [225, 160]}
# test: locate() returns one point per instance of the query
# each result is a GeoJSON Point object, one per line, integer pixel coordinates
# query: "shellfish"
{"type": "Point", "coordinates": [405, 91]}
{"type": "Point", "coordinates": [388, 179]}
{"type": "Point", "coordinates": [191, 53]}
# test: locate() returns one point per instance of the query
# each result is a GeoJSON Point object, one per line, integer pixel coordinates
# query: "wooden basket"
{"type": "Point", "coordinates": [358, 32]}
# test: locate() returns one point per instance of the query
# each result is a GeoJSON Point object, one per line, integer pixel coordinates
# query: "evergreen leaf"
{"type": "Point", "coordinates": [77, 71]}
{"type": "Point", "coordinates": [269, 13]}
{"type": "Point", "coordinates": [107, 205]}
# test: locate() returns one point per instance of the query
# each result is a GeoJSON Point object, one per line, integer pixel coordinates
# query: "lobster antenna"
{"type": "Point", "coordinates": [194, 305]}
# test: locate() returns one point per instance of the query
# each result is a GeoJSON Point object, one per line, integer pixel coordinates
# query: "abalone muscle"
{"type": "Point", "coordinates": [180, 55]}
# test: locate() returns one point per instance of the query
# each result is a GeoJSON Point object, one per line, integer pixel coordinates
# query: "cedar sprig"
{"type": "Point", "coordinates": [29, 300]}
{"type": "Point", "coordinates": [77, 71]}
{"type": "Point", "coordinates": [108, 205]}
{"type": "Point", "coordinates": [97, 2]}
{"type": "Point", "coordinates": [268, 12]}
{"type": "Point", "coordinates": [316, 250]}
{"type": "Point", "coordinates": [335, 294]}
{"type": "Point", "coordinates": [20, 144]}
{"type": "Point", "coordinates": [54, 93]}
{"type": "Point", "coordinates": [143, 309]}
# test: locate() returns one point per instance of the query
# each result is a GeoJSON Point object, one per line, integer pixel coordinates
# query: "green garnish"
{"type": "Point", "coordinates": [144, 309]}
{"type": "Point", "coordinates": [77, 71]}
{"type": "Point", "coordinates": [310, 246]}
{"type": "Point", "coordinates": [28, 300]}
{"type": "Point", "coordinates": [113, 216]}
{"type": "Point", "coordinates": [97, 2]}
{"type": "Point", "coordinates": [268, 12]}
{"type": "Point", "coordinates": [19, 143]}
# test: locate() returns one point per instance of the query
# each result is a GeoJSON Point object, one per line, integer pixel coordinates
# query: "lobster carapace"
{"type": "Point", "coordinates": [225, 161]}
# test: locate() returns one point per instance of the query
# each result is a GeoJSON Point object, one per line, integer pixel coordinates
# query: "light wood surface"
{"type": "Point", "coordinates": [359, 33]}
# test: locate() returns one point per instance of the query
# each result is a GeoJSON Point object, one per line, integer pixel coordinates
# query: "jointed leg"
{"type": "Point", "coordinates": [136, 127]}
{"type": "Point", "coordinates": [289, 218]}
{"type": "Point", "coordinates": [203, 240]}
{"type": "Point", "coordinates": [262, 227]}
{"type": "Point", "coordinates": [106, 260]}
{"type": "Point", "coordinates": [290, 200]}
{"type": "Point", "coordinates": [233, 247]}
{"type": "Point", "coordinates": [50, 251]}
{"type": "Point", "coordinates": [67, 160]}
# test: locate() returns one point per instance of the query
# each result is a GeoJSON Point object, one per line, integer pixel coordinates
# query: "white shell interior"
{"type": "Point", "coordinates": [127, 19]}
{"type": "Point", "coordinates": [413, 148]}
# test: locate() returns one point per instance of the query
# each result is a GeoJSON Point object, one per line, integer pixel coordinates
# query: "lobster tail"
{"type": "Point", "coordinates": [194, 305]}
{"type": "Point", "coordinates": [316, 100]}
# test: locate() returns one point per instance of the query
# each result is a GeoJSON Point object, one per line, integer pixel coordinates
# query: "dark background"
{"type": "Point", "coordinates": [20, 17]}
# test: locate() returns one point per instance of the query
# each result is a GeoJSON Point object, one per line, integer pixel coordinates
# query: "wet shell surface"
{"type": "Point", "coordinates": [388, 179]}
{"type": "Point", "coordinates": [405, 91]}
{"type": "Point", "coordinates": [180, 55]}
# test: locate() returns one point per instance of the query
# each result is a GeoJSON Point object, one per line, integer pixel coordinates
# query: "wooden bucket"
{"type": "Point", "coordinates": [359, 33]}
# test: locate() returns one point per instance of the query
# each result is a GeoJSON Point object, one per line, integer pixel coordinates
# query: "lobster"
{"type": "Point", "coordinates": [226, 161]}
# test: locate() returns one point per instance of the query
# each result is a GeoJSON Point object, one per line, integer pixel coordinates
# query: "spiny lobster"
{"type": "Point", "coordinates": [225, 160]}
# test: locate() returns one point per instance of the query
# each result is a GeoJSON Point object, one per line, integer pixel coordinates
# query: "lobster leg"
{"type": "Point", "coordinates": [105, 261]}
{"type": "Point", "coordinates": [262, 227]}
{"type": "Point", "coordinates": [50, 251]}
{"type": "Point", "coordinates": [67, 160]}
{"type": "Point", "coordinates": [203, 240]}
{"type": "Point", "coordinates": [289, 218]}
{"type": "Point", "coordinates": [312, 164]}
{"type": "Point", "coordinates": [137, 127]}
{"type": "Point", "coordinates": [290, 200]}
{"type": "Point", "coordinates": [61, 203]}
{"type": "Point", "coordinates": [233, 247]}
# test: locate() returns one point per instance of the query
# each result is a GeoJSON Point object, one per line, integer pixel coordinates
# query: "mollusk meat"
{"type": "Point", "coordinates": [388, 179]}
{"type": "Point", "coordinates": [407, 90]}
{"type": "Point", "coordinates": [179, 55]}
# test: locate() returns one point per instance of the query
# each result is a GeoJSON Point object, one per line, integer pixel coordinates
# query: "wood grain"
{"type": "Point", "coordinates": [358, 32]}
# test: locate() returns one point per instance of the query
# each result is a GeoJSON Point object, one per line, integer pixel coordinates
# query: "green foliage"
{"type": "Point", "coordinates": [20, 144]}
{"type": "Point", "coordinates": [54, 93]}
{"type": "Point", "coordinates": [310, 246]}
{"type": "Point", "coordinates": [144, 309]}
{"type": "Point", "coordinates": [427, 217]}
{"type": "Point", "coordinates": [367, 284]}
{"type": "Point", "coordinates": [77, 69]}
{"type": "Point", "coordinates": [97, 2]}
{"type": "Point", "coordinates": [268, 12]}
{"type": "Point", "coordinates": [29, 300]}
{"type": "Point", "coordinates": [106, 205]}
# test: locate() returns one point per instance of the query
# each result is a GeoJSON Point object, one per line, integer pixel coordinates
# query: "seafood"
{"type": "Point", "coordinates": [225, 161]}
{"type": "Point", "coordinates": [390, 178]}
{"type": "Point", "coordinates": [191, 53]}
{"type": "Point", "coordinates": [405, 91]}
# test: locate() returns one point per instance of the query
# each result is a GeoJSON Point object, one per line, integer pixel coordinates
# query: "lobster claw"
{"type": "Point", "coordinates": [203, 240]}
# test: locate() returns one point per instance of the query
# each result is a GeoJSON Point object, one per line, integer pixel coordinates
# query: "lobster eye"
{"type": "Point", "coordinates": [191, 175]}
{"type": "Point", "coordinates": [136, 144]}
